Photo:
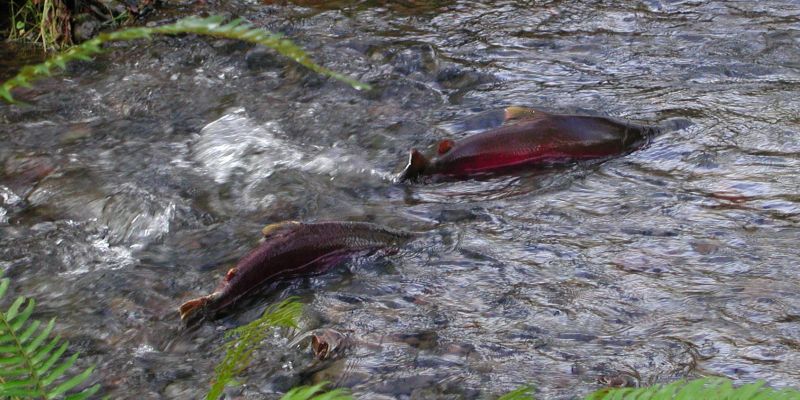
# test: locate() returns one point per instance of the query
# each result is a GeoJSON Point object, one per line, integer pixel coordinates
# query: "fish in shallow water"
{"type": "Point", "coordinates": [531, 137]}
{"type": "Point", "coordinates": [292, 249]}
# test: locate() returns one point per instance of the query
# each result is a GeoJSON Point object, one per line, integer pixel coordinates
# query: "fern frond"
{"type": "Point", "coordinates": [27, 357]}
{"type": "Point", "coordinates": [211, 26]}
{"type": "Point", "coordinates": [706, 388]}
{"type": "Point", "coordinates": [246, 339]}
{"type": "Point", "coordinates": [316, 393]}
{"type": "Point", "coordinates": [523, 393]}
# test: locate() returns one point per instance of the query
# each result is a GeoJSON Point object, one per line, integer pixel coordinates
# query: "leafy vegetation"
{"type": "Point", "coordinates": [523, 393]}
{"type": "Point", "coordinates": [315, 393]}
{"type": "Point", "coordinates": [211, 26]}
{"type": "Point", "coordinates": [32, 365]}
{"type": "Point", "coordinates": [43, 21]}
{"type": "Point", "coordinates": [707, 388]}
{"type": "Point", "coordinates": [246, 339]}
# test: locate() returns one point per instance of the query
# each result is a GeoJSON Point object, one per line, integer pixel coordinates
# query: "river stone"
{"type": "Point", "coordinates": [260, 58]}
{"type": "Point", "coordinates": [85, 27]}
{"type": "Point", "coordinates": [117, 7]}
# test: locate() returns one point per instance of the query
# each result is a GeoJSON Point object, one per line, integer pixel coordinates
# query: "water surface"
{"type": "Point", "coordinates": [133, 183]}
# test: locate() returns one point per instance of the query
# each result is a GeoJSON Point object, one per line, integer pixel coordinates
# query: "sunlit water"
{"type": "Point", "coordinates": [131, 184]}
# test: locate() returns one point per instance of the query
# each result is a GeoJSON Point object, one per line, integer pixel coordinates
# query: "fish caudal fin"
{"type": "Point", "coordinates": [195, 308]}
{"type": "Point", "coordinates": [417, 163]}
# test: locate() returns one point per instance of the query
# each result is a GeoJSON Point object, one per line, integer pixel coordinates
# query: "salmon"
{"type": "Point", "coordinates": [292, 249]}
{"type": "Point", "coordinates": [531, 137]}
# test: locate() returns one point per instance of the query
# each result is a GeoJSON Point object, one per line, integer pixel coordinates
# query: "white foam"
{"type": "Point", "coordinates": [235, 144]}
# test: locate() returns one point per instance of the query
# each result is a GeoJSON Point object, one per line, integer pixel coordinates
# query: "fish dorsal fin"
{"type": "Point", "coordinates": [271, 229]}
{"type": "Point", "coordinates": [517, 113]}
{"type": "Point", "coordinates": [445, 146]}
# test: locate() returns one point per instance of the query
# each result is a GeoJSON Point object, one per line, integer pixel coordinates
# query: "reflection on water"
{"type": "Point", "coordinates": [131, 185]}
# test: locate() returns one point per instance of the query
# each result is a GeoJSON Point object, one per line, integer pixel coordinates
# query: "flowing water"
{"type": "Point", "coordinates": [131, 184]}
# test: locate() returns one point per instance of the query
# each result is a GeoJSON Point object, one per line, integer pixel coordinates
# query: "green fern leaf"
{"type": "Point", "coordinates": [6, 372]}
{"type": "Point", "coordinates": [19, 392]}
{"type": "Point", "coordinates": [84, 394]}
{"type": "Point", "coordinates": [60, 370]}
{"type": "Point", "coordinates": [34, 345]}
{"type": "Point", "coordinates": [32, 327]}
{"type": "Point", "coordinates": [212, 26]}
{"type": "Point", "coordinates": [43, 352]}
{"type": "Point", "coordinates": [315, 393]}
{"type": "Point", "coordinates": [20, 319]}
{"type": "Point", "coordinates": [749, 391]}
{"type": "Point", "coordinates": [12, 360]}
{"type": "Point", "coordinates": [523, 393]}
{"type": "Point", "coordinates": [27, 356]}
{"type": "Point", "coordinates": [5, 93]}
{"type": "Point", "coordinates": [54, 357]}
{"type": "Point", "coordinates": [707, 388]}
{"type": "Point", "coordinates": [14, 309]}
{"type": "Point", "coordinates": [70, 383]}
{"type": "Point", "coordinates": [246, 339]}
{"type": "Point", "coordinates": [16, 384]}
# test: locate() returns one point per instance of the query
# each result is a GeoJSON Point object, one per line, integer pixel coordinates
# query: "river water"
{"type": "Point", "coordinates": [131, 184]}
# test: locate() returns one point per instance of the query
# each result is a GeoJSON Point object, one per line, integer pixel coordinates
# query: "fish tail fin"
{"type": "Point", "coordinates": [417, 164]}
{"type": "Point", "coordinates": [195, 308]}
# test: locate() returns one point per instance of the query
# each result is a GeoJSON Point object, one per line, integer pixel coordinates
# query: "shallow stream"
{"type": "Point", "coordinates": [132, 183]}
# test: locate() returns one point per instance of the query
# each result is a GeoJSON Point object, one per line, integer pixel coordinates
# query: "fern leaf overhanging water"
{"type": "Point", "coordinates": [211, 26]}
{"type": "Point", "coordinates": [705, 388]}
{"type": "Point", "coordinates": [31, 358]}
{"type": "Point", "coordinates": [246, 339]}
{"type": "Point", "coordinates": [522, 393]}
{"type": "Point", "coordinates": [316, 393]}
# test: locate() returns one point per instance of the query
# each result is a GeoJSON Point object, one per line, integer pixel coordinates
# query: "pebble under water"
{"type": "Point", "coordinates": [131, 184]}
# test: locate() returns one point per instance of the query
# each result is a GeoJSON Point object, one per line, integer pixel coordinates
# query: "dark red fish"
{"type": "Point", "coordinates": [293, 249]}
{"type": "Point", "coordinates": [532, 138]}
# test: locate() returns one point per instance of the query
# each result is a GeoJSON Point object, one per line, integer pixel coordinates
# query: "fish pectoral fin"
{"type": "Point", "coordinates": [445, 146]}
{"type": "Point", "coordinates": [518, 113]}
{"type": "Point", "coordinates": [272, 229]}
{"type": "Point", "coordinates": [231, 273]}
